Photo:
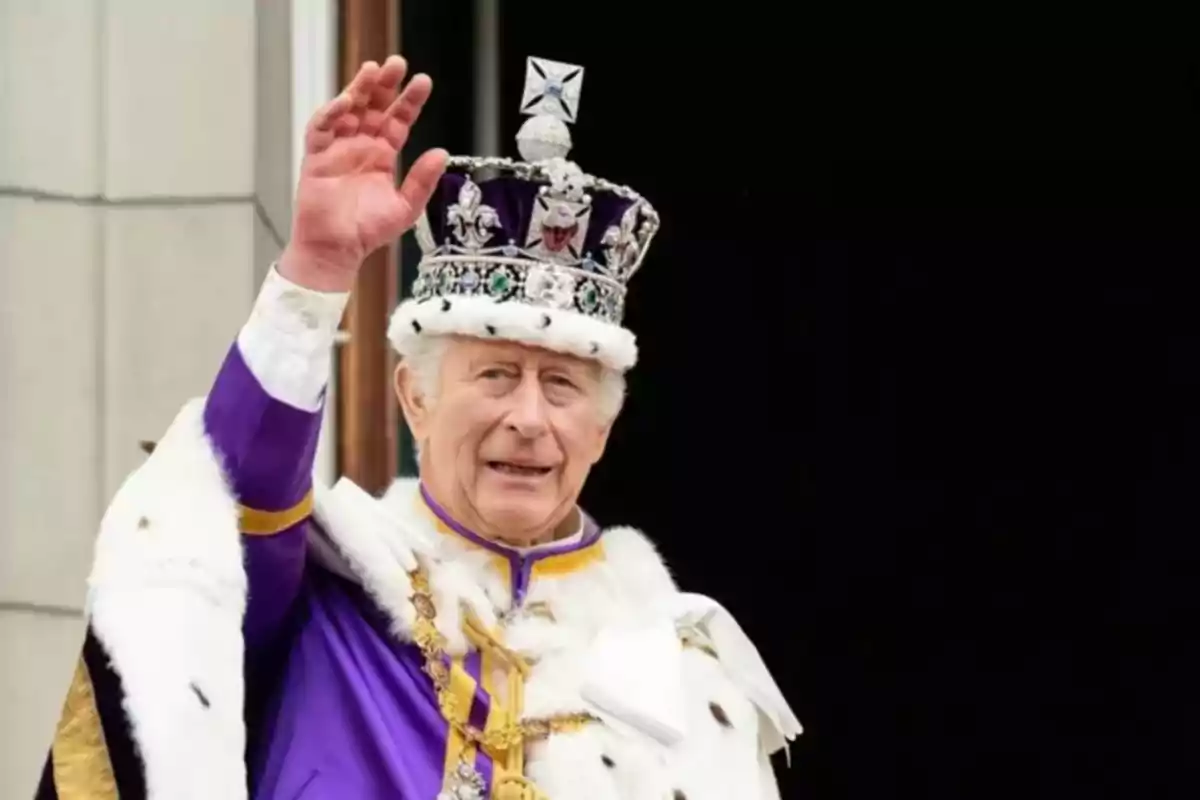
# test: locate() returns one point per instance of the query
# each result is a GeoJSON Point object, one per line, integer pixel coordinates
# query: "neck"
{"type": "Point", "coordinates": [568, 526]}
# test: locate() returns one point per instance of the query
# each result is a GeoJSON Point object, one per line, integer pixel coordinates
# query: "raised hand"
{"type": "Point", "coordinates": [347, 203]}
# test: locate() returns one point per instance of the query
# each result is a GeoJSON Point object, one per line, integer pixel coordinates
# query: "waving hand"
{"type": "Point", "coordinates": [347, 202]}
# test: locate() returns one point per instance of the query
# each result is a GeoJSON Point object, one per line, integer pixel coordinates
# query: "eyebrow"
{"type": "Point", "coordinates": [582, 371]}
{"type": "Point", "coordinates": [489, 361]}
{"type": "Point", "coordinates": [573, 366]}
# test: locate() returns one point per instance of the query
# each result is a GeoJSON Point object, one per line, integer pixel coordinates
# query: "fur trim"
{"type": "Point", "coordinates": [722, 754]}
{"type": "Point", "coordinates": [402, 494]}
{"type": "Point", "coordinates": [482, 317]}
{"type": "Point", "coordinates": [166, 598]}
{"type": "Point", "coordinates": [168, 592]}
{"type": "Point", "coordinates": [720, 758]}
{"type": "Point", "coordinates": [381, 542]}
{"type": "Point", "coordinates": [641, 567]}
{"type": "Point", "coordinates": [374, 549]}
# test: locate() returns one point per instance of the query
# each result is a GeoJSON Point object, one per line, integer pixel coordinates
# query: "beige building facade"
{"type": "Point", "coordinates": [148, 153]}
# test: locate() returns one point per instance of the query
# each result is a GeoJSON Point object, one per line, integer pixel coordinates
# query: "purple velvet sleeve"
{"type": "Point", "coordinates": [268, 449]}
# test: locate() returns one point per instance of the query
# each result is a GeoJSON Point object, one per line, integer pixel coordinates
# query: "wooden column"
{"type": "Point", "coordinates": [367, 412]}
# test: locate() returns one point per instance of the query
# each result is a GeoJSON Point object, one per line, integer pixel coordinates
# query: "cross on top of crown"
{"type": "Point", "coordinates": [552, 88]}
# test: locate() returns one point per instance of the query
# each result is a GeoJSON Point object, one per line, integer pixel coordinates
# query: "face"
{"type": "Point", "coordinates": [508, 440]}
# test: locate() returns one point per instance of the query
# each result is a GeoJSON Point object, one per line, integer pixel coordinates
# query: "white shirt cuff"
{"type": "Point", "coordinates": [288, 341]}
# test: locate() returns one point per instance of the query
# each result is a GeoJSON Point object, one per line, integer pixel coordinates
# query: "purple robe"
{"type": "Point", "coordinates": [348, 711]}
{"type": "Point", "coordinates": [329, 702]}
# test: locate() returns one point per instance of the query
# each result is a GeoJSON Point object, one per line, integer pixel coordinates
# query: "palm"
{"type": "Point", "coordinates": [345, 207]}
{"type": "Point", "coordinates": [347, 203]}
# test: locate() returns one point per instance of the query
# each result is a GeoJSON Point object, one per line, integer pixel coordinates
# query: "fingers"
{"type": "Point", "coordinates": [420, 183]}
{"type": "Point", "coordinates": [408, 105]}
{"type": "Point", "coordinates": [402, 113]}
{"type": "Point", "coordinates": [372, 121]}
{"type": "Point", "coordinates": [383, 93]}
{"type": "Point", "coordinates": [336, 118]}
{"type": "Point", "coordinates": [363, 84]}
{"type": "Point", "coordinates": [388, 81]}
{"type": "Point", "coordinates": [347, 125]}
{"type": "Point", "coordinates": [371, 104]}
{"type": "Point", "coordinates": [328, 114]}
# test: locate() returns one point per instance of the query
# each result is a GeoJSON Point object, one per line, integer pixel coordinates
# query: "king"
{"type": "Point", "coordinates": [471, 633]}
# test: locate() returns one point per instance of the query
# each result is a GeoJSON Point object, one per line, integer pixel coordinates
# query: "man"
{"type": "Point", "coordinates": [470, 635]}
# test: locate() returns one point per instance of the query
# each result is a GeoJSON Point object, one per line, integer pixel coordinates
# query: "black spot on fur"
{"type": "Point", "coordinates": [147, 447]}
{"type": "Point", "coordinates": [445, 304]}
{"type": "Point", "coordinates": [608, 762]}
{"type": "Point", "coordinates": [545, 320]}
{"type": "Point", "coordinates": [200, 696]}
{"type": "Point", "coordinates": [416, 326]}
{"type": "Point", "coordinates": [491, 329]}
{"type": "Point", "coordinates": [143, 523]}
{"type": "Point", "coordinates": [719, 715]}
{"type": "Point", "coordinates": [595, 348]}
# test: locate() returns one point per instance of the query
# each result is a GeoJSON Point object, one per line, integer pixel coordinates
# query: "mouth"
{"type": "Point", "coordinates": [518, 470]}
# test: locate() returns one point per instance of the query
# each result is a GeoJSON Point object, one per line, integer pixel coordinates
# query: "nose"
{"type": "Point", "coordinates": [527, 415]}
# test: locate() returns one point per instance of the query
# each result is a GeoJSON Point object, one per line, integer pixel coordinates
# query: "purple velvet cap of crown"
{"type": "Point", "coordinates": [519, 207]}
{"type": "Point", "coordinates": [542, 234]}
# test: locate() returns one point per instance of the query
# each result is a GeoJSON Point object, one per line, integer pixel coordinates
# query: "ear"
{"type": "Point", "coordinates": [413, 403]}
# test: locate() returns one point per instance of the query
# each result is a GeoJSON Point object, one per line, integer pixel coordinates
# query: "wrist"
{"type": "Point", "coordinates": [314, 272]}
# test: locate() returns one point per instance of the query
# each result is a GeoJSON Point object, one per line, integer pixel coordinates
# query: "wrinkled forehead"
{"type": "Point", "coordinates": [472, 351]}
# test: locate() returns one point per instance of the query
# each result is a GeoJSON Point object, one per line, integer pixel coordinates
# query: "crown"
{"type": "Point", "coordinates": [524, 247]}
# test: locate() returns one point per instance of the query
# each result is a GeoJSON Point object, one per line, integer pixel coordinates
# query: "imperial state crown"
{"type": "Point", "coordinates": [540, 252]}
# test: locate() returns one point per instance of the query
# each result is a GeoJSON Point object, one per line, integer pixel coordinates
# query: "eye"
{"type": "Point", "coordinates": [561, 380]}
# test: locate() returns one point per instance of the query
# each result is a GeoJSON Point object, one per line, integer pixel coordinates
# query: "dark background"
{"type": "Point", "coordinates": [919, 382]}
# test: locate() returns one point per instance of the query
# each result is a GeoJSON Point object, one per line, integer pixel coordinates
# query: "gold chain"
{"type": "Point", "coordinates": [432, 645]}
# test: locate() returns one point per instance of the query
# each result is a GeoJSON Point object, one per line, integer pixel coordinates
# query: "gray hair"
{"type": "Point", "coordinates": [425, 361]}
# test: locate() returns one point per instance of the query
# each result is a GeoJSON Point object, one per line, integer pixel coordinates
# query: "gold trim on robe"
{"type": "Point", "coordinates": [82, 767]}
{"type": "Point", "coordinates": [459, 750]}
{"type": "Point", "coordinates": [268, 523]}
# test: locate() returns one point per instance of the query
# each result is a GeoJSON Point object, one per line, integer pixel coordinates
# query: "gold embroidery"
{"type": "Point", "coordinates": [496, 741]}
{"type": "Point", "coordinates": [82, 768]}
{"type": "Point", "coordinates": [515, 757]}
{"type": "Point", "coordinates": [499, 714]}
{"type": "Point", "coordinates": [487, 642]}
{"type": "Point", "coordinates": [571, 561]}
{"type": "Point", "coordinates": [460, 753]}
{"type": "Point", "coordinates": [514, 787]}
